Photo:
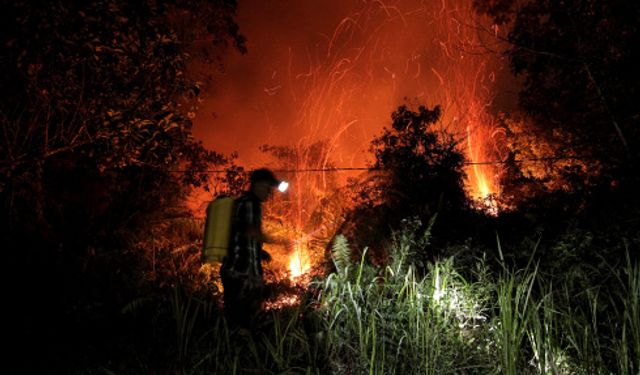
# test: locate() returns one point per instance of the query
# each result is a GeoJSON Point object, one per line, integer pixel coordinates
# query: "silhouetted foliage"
{"type": "Point", "coordinates": [579, 62]}
{"type": "Point", "coordinates": [104, 79]}
{"type": "Point", "coordinates": [96, 115]}
{"type": "Point", "coordinates": [418, 173]}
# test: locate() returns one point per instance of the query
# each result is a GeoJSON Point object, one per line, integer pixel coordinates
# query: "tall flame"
{"type": "Point", "coordinates": [336, 80]}
{"type": "Point", "coordinates": [299, 262]}
{"type": "Point", "coordinates": [481, 188]}
{"type": "Point", "coordinates": [482, 185]}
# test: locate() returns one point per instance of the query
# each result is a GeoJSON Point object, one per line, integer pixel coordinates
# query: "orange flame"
{"type": "Point", "coordinates": [374, 58]}
{"type": "Point", "coordinates": [299, 262]}
{"type": "Point", "coordinates": [483, 185]}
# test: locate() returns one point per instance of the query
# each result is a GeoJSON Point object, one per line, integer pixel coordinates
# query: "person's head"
{"type": "Point", "coordinates": [263, 181]}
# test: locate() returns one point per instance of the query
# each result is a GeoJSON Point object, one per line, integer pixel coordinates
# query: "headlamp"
{"type": "Point", "coordinates": [283, 186]}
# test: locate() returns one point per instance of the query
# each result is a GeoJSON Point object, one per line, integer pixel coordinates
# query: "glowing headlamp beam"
{"type": "Point", "coordinates": [284, 185]}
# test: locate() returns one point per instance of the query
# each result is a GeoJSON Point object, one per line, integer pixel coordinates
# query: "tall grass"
{"type": "Point", "coordinates": [625, 321]}
{"type": "Point", "coordinates": [403, 318]}
{"type": "Point", "coordinates": [393, 320]}
{"type": "Point", "coordinates": [185, 311]}
{"type": "Point", "coordinates": [514, 302]}
{"type": "Point", "coordinates": [543, 333]}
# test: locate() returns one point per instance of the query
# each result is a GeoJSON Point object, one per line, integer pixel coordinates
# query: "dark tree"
{"type": "Point", "coordinates": [579, 62]}
{"type": "Point", "coordinates": [417, 173]}
{"type": "Point", "coordinates": [104, 79]}
{"type": "Point", "coordinates": [96, 113]}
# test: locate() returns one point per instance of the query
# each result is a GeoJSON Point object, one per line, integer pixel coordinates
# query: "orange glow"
{"type": "Point", "coordinates": [483, 189]}
{"type": "Point", "coordinates": [286, 300]}
{"type": "Point", "coordinates": [299, 262]}
{"type": "Point", "coordinates": [482, 185]}
{"type": "Point", "coordinates": [325, 85]}
{"type": "Point", "coordinates": [339, 75]}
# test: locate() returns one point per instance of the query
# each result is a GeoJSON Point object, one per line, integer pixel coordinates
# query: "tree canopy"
{"type": "Point", "coordinates": [579, 62]}
{"type": "Point", "coordinates": [106, 80]}
{"type": "Point", "coordinates": [98, 93]}
{"type": "Point", "coordinates": [95, 117]}
{"type": "Point", "coordinates": [418, 173]}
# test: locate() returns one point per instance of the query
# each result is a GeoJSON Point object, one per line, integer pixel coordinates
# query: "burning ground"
{"type": "Point", "coordinates": [323, 87]}
{"type": "Point", "coordinates": [445, 212]}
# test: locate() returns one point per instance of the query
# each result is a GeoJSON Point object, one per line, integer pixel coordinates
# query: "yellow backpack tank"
{"type": "Point", "coordinates": [217, 229]}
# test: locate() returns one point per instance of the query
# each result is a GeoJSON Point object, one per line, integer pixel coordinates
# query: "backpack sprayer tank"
{"type": "Point", "coordinates": [217, 229]}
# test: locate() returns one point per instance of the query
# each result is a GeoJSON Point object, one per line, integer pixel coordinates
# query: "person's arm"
{"type": "Point", "coordinates": [258, 234]}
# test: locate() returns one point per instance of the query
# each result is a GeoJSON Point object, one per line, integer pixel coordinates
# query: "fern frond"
{"type": "Point", "coordinates": [341, 253]}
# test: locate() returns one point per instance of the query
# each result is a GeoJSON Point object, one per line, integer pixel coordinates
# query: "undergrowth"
{"type": "Point", "coordinates": [408, 318]}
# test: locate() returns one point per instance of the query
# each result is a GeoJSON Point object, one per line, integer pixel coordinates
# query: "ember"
{"type": "Point", "coordinates": [283, 301]}
{"type": "Point", "coordinates": [333, 94]}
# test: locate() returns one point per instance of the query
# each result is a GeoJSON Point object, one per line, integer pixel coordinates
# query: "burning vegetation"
{"type": "Point", "coordinates": [437, 222]}
{"type": "Point", "coordinates": [333, 101]}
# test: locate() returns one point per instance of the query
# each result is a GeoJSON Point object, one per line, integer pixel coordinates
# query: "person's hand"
{"type": "Point", "coordinates": [265, 256]}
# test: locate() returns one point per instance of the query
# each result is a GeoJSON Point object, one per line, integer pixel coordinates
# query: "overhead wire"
{"type": "Point", "coordinates": [340, 169]}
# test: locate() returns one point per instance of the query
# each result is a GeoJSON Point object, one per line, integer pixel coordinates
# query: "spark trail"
{"type": "Point", "coordinates": [336, 89]}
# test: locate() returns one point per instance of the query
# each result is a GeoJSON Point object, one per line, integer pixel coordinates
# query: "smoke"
{"type": "Point", "coordinates": [335, 70]}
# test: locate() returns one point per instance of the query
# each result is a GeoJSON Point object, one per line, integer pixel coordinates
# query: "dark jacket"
{"type": "Point", "coordinates": [245, 248]}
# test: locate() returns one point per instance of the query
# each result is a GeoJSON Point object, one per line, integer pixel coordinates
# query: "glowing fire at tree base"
{"type": "Point", "coordinates": [299, 262]}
